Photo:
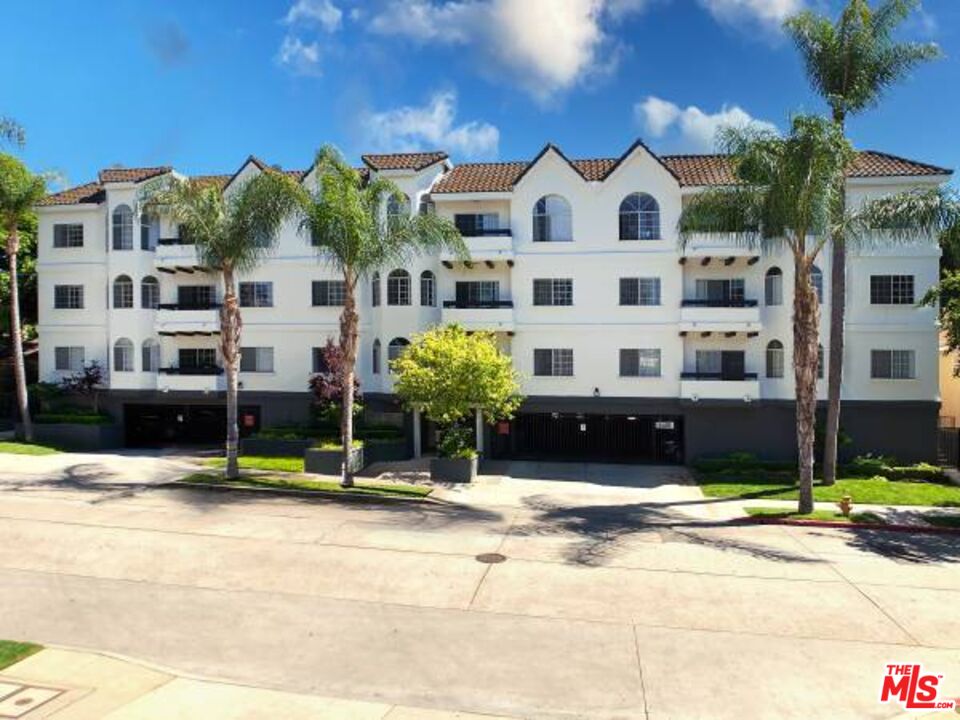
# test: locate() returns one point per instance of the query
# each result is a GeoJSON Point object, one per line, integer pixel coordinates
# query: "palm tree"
{"type": "Point", "coordinates": [20, 190]}
{"type": "Point", "coordinates": [234, 230]}
{"type": "Point", "coordinates": [787, 196]}
{"type": "Point", "coordinates": [344, 217]}
{"type": "Point", "coordinates": [851, 63]}
{"type": "Point", "coordinates": [11, 132]}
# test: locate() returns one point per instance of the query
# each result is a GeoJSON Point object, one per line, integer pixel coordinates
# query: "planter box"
{"type": "Point", "coordinates": [269, 447]}
{"type": "Point", "coordinates": [327, 462]}
{"type": "Point", "coordinates": [385, 451]}
{"type": "Point", "coordinates": [70, 436]}
{"type": "Point", "coordinates": [458, 470]}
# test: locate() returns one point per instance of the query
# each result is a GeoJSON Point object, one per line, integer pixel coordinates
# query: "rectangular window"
{"type": "Point", "coordinates": [256, 359]}
{"type": "Point", "coordinates": [68, 235]}
{"type": "Point", "coordinates": [639, 291]}
{"type": "Point", "coordinates": [328, 293]}
{"type": "Point", "coordinates": [68, 359]}
{"type": "Point", "coordinates": [477, 224]}
{"type": "Point", "coordinates": [708, 362]}
{"type": "Point", "coordinates": [891, 290]}
{"type": "Point", "coordinates": [642, 362]}
{"type": "Point", "coordinates": [199, 297]}
{"type": "Point", "coordinates": [893, 364]}
{"type": "Point", "coordinates": [477, 293]}
{"type": "Point", "coordinates": [553, 362]}
{"type": "Point", "coordinates": [68, 297]}
{"type": "Point", "coordinates": [720, 291]}
{"type": "Point", "coordinates": [553, 291]}
{"type": "Point", "coordinates": [256, 294]}
{"type": "Point", "coordinates": [197, 358]}
{"type": "Point", "coordinates": [319, 361]}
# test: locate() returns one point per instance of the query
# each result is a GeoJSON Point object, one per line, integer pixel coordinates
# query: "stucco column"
{"type": "Point", "coordinates": [479, 431]}
{"type": "Point", "coordinates": [417, 444]}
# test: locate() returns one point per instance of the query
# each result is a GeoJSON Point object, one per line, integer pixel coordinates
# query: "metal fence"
{"type": "Point", "coordinates": [948, 446]}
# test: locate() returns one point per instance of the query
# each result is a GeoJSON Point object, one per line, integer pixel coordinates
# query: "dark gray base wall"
{"type": "Point", "coordinates": [276, 408]}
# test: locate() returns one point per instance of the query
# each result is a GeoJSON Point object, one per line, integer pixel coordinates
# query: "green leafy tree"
{"type": "Point", "coordinates": [449, 374]}
{"type": "Point", "coordinates": [20, 191]}
{"type": "Point", "coordinates": [234, 231]}
{"type": "Point", "coordinates": [851, 63]}
{"type": "Point", "coordinates": [27, 280]}
{"type": "Point", "coordinates": [12, 132]}
{"type": "Point", "coordinates": [344, 216]}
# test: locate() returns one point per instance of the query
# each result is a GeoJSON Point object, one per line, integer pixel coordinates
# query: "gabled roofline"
{"type": "Point", "coordinates": [639, 143]}
{"type": "Point", "coordinates": [547, 148]}
{"type": "Point", "coordinates": [937, 169]}
{"type": "Point", "coordinates": [441, 157]}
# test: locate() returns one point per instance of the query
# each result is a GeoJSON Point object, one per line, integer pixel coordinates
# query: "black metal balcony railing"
{"type": "Point", "coordinates": [201, 370]}
{"type": "Point", "coordinates": [174, 241]}
{"type": "Point", "coordinates": [485, 232]}
{"type": "Point", "coordinates": [189, 306]}
{"type": "Point", "coordinates": [721, 303]}
{"type": "Point", "coordinates": [477, 304]}
{"type": "Point", "coordinates": [718, 376]}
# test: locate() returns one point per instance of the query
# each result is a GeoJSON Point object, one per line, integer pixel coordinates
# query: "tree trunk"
{"type": "Point", "coordinates": [230, 326]}
{"type": "Point", "coordinates": [16, 335]}
{"type": "Point", "coordinates": [349, 321]}
{"type": "Point", "coordinates": [806, 318]}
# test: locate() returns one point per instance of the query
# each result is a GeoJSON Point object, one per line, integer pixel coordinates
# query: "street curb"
{"type": "Point", "coordinates": [295, 492]}
{"type": "Point", "coordinates": [892, 527]}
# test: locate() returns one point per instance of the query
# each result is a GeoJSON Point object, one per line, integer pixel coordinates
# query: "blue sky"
{"type": "Point", "coordinates": [202, 84]}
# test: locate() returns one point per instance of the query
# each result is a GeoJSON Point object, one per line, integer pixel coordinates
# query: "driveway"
{"type": "Point", "coordinates": [625, 599]}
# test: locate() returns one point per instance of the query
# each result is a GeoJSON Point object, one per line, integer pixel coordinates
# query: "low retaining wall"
{"type": "Point", "coordinates": [270, 447]}
{"type": "Point", "coordinates": [71, 436]}
{"type": "Point", "coordinates": [327, 462]}
{"type": "Point", "coordinates": [385, 451]}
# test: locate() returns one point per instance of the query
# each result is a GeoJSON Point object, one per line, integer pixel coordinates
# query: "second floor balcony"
{"type": "Point", "coordinates": [696, 386]}
{"type": "Point", "coordinates": [187, 318]}
{"type": "Point", "coordinates": [202, 378]}
{"type": "Point", "coordinates": [731, 314]}
{"type": "Point", "coordinates": [492, 246]}
{"type": "Point", "coordinates": [493, 315]}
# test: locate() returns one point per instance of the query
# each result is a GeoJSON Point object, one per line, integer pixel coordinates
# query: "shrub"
{"type": "Point", "coordinates": [886, 467]}
{"type": "Point", "coordinates": [738, 462]}
{"type": "Point", "coordinates": [74, 418]}
{"type": "Point", "coordinates": [457, 442]}
{"type": "Point", "coordinates": [869, 465]}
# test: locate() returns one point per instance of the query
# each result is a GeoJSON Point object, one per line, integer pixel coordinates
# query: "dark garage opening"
{"type": "Point", "coordinates": [159, 425]}
{"type": "Point", "coordinates": [596, 438]}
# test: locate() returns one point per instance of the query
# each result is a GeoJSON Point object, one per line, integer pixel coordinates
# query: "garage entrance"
{"type": "Point", "coordinates": [159, 425]}
{"type": "Point", "coordinates": [594, 438]}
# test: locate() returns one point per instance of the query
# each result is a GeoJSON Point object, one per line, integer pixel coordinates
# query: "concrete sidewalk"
{"type": "Point", "coordinates": [74, 685]}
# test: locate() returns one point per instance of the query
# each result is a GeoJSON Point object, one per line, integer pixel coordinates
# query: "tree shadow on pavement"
{"type": "Point", "coordinates": [94, 478]}
{"type": "Point", "coordinates": [912, 547]}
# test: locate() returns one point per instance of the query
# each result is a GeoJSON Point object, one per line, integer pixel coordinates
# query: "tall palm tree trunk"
{"type": "Point", "coordinates": [349, 321]}
{"type": "Point", "coordinates": [16, 336]}
{"type": "Point", "coordinates": [230, 326]}
{"type": "Point", "coordinates": [806, 318]}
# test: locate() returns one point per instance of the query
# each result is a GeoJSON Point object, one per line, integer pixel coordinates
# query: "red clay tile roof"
{"type": "Point", "coordinates": [89, 193]}
{"type": "Point", "coordinates": [134, 175]}
{"type": "Point", "coordinates": [870, 163]}
{"type": "Point", "coordinates": [403, 161]}
{"type": "Point", "coordinates": [698, 170]}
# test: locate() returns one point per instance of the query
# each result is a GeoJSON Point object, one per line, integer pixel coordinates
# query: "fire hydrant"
{"type": "Point", "coordinates": [846, 505]}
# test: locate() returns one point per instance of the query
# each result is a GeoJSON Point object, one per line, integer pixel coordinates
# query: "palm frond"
{"type": "Point", "coordinates": [12, 132]}
{"type": "Point", "coordinates": [906, 217]}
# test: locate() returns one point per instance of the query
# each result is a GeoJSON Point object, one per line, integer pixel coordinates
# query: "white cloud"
{"type": "Point", "coordinates": [301, 58]}
{"type": "Point", "coordinates": [545, 46]}
{"type": "Point", "coordinates": [697, 130]}
{"type": "Point", "coordinates": [769, 14]}
{"type": "Point", "coordinates": [315, 12]}
{"type": "Point", "coordinates": [429, 127]}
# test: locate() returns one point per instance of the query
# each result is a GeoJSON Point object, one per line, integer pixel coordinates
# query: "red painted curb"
{"type": "Point", "coordinates": [852, 525]}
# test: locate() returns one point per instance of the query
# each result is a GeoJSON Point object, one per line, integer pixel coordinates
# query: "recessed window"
{"type": "Point", "coordinates": [720, 291]}
{"type": "Point", "coordinates": [195, 297]}
{"type": "Point", "coordinates": [68, 297]}
{"type": "Point", "coordinates": [893, 364]}
{"type": "Point", "coordinates": [149, 231]}
{"type": "Point", "coordinates": [398, 208]}
{"type": "Point", "coordinates": [640, 362]}
{"type": "Point", "coordinates": [428, 289]}
{"type": "Point", "coordinates": [197, 359]}
{"type": "Point", "coordinates": [773, 287]}
{"type": "Point", "coordinates": [319, 362]}
{"type": "Point", "coordinates": [816, 277]}
{"type": "Point", "coordinates": [553, 291]}
{"type": "Point", "coordinates": [774, 359]}
{"type": "Point", "coordinates": [553, 362]}
{"type": "Point", "coordinates": [329, 293]}
{"type": "Point", "coordinates": [68, 235]}
{"type": "Point", "coordinates": [375, 360]}
{"type": "Point", "coordinates": [123, 355]}
{"type": "Point", "coordinates": [68, 359]}
{"type": "Point", "coordinates": [552, 220]}
{"type": "Point", "coordinates": [639, 291]}
{"type": "Point", "coordinates": [149, 293]}
{"type": "Point", "coordinates": [375, 289]}
{"type": "Point", "coordinates": [150, 352]}
{"type": "Point", "coordinates": [398, 288]}
{"type": "Point", "coordinates": [477, 224]}
{"type": "Point", "coordinates": [256, 294]}
{"type": "Point", "coordinates": [639, 218]}
{"type": "Point", "coordinates": [256, 359]}
{"type": "Point", "coordinates": [122, 228]}
{"type": "Point", "coordinates": [891, 290]}
{"type": "Point", "coordinates": [477, 293]}
{"type": "Point", "coordinates": [396, 347]}
{"type": "Point", "coordinates": [123, 292]}
{"type": "Point", "coordinates": [820, 362]}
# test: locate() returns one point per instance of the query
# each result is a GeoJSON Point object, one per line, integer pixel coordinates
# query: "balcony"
{"type": "Point", "coordinates": [191, 379]}
{"type": "Point", "coordinates": [176, 255]}
{"type": "Point", "coordinates": [187, 319]}
{"type": "Point", "coordinates": [720, 315]}
{"type": "Point", "coordinates": [488, 245]}
{"type": "Point", "coordinates": [696, 386]}
{"type": "Point", "coordinates": [493, 315]}
{"type": "Point", "coordinates": [709, 246]}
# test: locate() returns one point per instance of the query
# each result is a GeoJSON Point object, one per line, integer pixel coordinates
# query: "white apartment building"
{"type": "Point", "coordinates": [629, 346]}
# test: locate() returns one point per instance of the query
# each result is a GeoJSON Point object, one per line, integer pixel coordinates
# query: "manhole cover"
{"type": "Point", "coordinates": [17, 701]}
{"type": "Point", "coordinates": [491, 558]}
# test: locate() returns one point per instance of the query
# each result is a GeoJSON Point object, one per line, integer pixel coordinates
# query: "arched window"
{"type": "Point", "coordinates": [396, 347]}
{"type": "Point", "coordinates": [149, 231]}
{"type": "Point", "coordinates": [149, 293]}
{"type": "Point", "coordinates": [150, 351]}
{"type": "Point", "coordinates": [375, 289]}
{"type": "Point", "coordinates": [639, 218]}
{"type": "Point", "coordinates": [773, 287]}
{"type": "Point", "coordinates": [428, 289]}
{"type": "Point", "coordinates": [398, 288]}
{"type": "Point", "coordinates": [398, 208]}
{"type": "Point", "coordinates": [376, 357]}
{"type": "Point", "coordinates": [123, 355]}
{"type": "Point", "coordinates": [123, 292]}
{"type": "Point", "coordinates": [816, 277]}
{"type": "Point", "coordinates": [122, 228]}
{"type": "Point", "coordinates": [552, 220]}
{"type": "Point", "coordinates": [775, 359]}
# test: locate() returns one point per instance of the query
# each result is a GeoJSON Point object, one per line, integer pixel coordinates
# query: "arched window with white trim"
{"type": "Point", "coordinates": [398, 287]}
{"type": "Point", "coordinates": [552, 219]}
{"type": "Point", "coordinates": [395, 348]}
{"type": "Point", "coordinates": [122, 228]}
{"type": "Point", "coordinates": [773, 287]}
{"type": "Point", "coordinates": [149, 293]}
{"type": "Point", "coordinates": [123, 355]}
{"type": "Point", "coordinates": [639, 217]}
{"type": "Point", "coordinates": [375, 289]}
{"type": "Point", "coordinates": [428, 289]}
{"type": "Point", "coordinates": [398, 208]}
{"type": "Point", "coordinates": [774, 359]}
{"type": "Point", "coordinates": [123, 292]}
{"type": "Point", "coordinates": [376, 357]}
{"type": "Point", "coordinates": [816, 277]}
{"type": "Point", "coordinates": [150, 355]}
{"type": "Point", "coordinates": [149, 230]}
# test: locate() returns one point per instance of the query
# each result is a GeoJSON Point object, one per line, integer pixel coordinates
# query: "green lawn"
{"type": "Point", "coordinates": [257, 462]}
{"type": "Point", "coordinates": [871, 491]}
{"type": "Point", "coordinates": [13, 652]}
{"type": "Point", "coordinates": [825, 515]}
{"type": "Point", "coordinates": [20, 448]}
{"type": "Point", "coordinates": [295, 482]}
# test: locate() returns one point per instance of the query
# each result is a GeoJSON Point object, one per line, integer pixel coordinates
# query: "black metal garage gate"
{"type": "Point", "coordinates": [598, 438]}
{"type": "Point", "coordinates": [158, 425]}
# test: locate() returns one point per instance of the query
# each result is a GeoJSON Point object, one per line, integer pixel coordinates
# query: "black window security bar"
{"type": "Point", "coordinates": [478, 304]}
{"type": "Point", "coordinates": [720, 302]}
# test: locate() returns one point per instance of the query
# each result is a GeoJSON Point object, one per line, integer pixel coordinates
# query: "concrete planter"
{"type": "Point", "coordinates": [327, 462]}
{"type": "Point", "coordinates": [375, 451]}
{"type": "Point", "coordinates": [269, 447]}
{"type": "Point", "coordinates": [70, 436]}
{"type": "Point", "coordinates": [458, 470]}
